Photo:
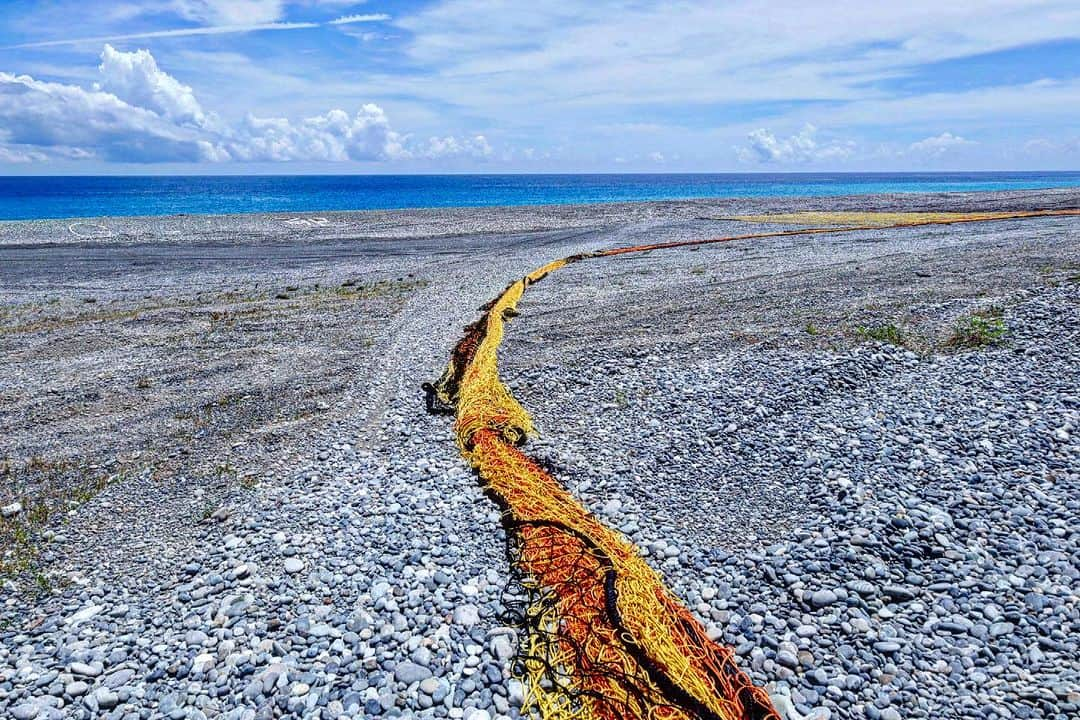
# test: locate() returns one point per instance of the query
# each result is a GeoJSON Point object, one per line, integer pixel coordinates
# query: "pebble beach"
{"type": "Point", "coordinates": [855, 456]}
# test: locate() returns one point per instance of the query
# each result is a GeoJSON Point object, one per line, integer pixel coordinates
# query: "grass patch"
{"type": "Point", "coordinates": [978, 330]}
{"type": "Point", "coordinates": [888, 333]}
{"type": "Point", "coordinates": [61, 485]}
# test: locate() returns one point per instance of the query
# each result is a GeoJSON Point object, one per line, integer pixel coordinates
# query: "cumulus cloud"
{"type": "Point", "coordinates": [939, 145]}
{"type": "Point", "coordinates": [335, 136]}
{"type": "Point", "coordinates": [137, 112]}
{"type": "Point", "coordinates": [62, 120]}
{"type": "Point", "coordinates": [802, 147]}
{"type": "Point", "coordinates": [135, 78]}
{"type": "Point", "coordinates": [449, 147]}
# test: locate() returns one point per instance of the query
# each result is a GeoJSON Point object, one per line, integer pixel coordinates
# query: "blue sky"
{"type": "Point", "coordinates": [228, 86]}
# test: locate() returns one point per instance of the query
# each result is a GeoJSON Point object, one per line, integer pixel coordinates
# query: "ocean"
{"type": "Point", "coordinates": [29, 198]}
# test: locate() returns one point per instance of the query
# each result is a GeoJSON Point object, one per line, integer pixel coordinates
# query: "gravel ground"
{"type": "Point", "coordinates": [881, 530]}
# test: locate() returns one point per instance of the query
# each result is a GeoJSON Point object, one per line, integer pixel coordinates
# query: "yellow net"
{"type": "Point", "coordinates": [604, 638]}
{"type": "Point", "coordinates": [874, 219]}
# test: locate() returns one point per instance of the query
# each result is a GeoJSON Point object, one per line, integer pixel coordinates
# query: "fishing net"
{"type": "Point", "coordinates": [604, 638]}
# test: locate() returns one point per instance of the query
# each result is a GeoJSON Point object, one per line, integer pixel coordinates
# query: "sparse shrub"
{"type": "Point", "coordinates": [978, 330]}
{"type": "Point", "coordinates": [888, 333]}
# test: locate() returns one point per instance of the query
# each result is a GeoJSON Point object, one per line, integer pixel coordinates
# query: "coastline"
{"type": "Point", "coordinates": [215, 382]}
{"type": "Point", "coordinates": [452, 221]}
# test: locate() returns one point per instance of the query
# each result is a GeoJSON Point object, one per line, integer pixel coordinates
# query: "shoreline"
{"type": "Point", "coordinates": [426, 221]}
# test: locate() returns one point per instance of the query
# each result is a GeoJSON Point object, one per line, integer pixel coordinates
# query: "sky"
{"type": "Point", "coordinates": [491, 86]}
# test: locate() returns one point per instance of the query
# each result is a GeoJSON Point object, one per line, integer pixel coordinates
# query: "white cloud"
{"type": "Point", "coordinates": [1056, 148]}
{"type": "Point", "coordinates": [58, 119]}
{"type": "Point", "coordinates": [17, 155]}
{"type": "Point", "coordinates": [802, 147]}
{"type": "Point", "coordinates": [230, 12]}
{"type": "Point", "coordinates": [939, 145]}
{"type": "Point", "coordinates": [498, 54]}
{"type": "Point", "coordinates": [181, 32]}
{"type": "Point", "coordinates": [333, 137]}
{"type": "Point", "coordinates": [140, 113]}
{"type": "Point", "coordinates": [352, 19]}
{"type": "Point", "coordinates": [135, 78]}
{"type": "Point", "coordinates": [448, 147]}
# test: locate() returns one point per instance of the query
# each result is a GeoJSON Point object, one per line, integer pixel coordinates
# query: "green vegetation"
{"type": "Point", "coordinates": [60, 485]}
{"type": "Point", "coordinates": [978, 330]}
{"type": "Point", "coordinates": [888, 333]}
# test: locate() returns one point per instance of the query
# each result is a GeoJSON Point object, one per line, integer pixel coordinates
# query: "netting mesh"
{"type": "Point", "coordinates": [604, 638]}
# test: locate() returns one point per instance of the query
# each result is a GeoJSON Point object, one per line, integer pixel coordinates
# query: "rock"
{"type": "Point", "coordinates": [466, 615]}
{"type": "Point", "coordinates": [862, 587]}
{"type": "Point", "coordinates": [86, 669]}
{"type": "Point", "coordinates": [106, 698]}
{"type": "Point", "coordinates": [787, 659]}
{"type": "Point", "coordinates": [293, 565]}
{"type": "Point", "coordinates": [195, 638]}
{"type": "Point", "coordinates": [898, 593]}
{"type": "Point", "coordinates": [823, 598]}
{"type": "Point", "coordinates": [409, 672]}
{"type": "Point", "coordinates": [202, 663]}
{"type": "Point", "coordinates": [11, 511]}
{"type": "Point", "coordinates": [25, 711]}
{"type": "Point", "coordinates": [76, 688]}
{"type": "Point", "coordinates": [119, 678]}
{"type": "Point", "coordinates": [502, 648]}
{"type": "Point", "coordinates": [85, 614]}
{"type": "Point", "coordinates": [612, 507]}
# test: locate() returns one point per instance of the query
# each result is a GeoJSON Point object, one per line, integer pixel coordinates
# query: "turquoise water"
{"type": "Point", "coordinates": [27, 198]}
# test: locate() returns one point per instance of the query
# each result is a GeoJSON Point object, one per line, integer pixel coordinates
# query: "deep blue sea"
{"type": "Point", "coordinates": [25, 198]}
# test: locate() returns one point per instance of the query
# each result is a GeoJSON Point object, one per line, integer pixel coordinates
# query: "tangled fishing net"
{"type": "Point", "coordinates": [604, 638]}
